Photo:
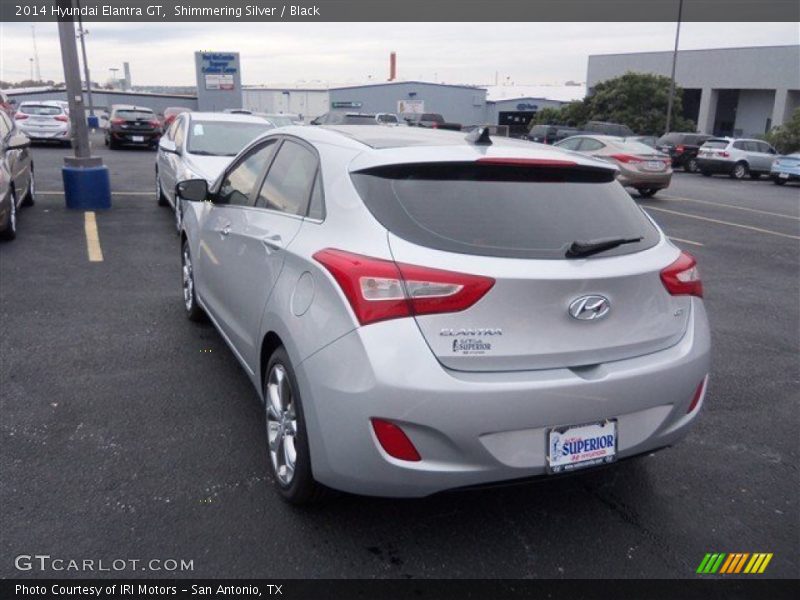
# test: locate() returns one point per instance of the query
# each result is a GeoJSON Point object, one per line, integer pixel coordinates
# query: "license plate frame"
{"type": "Point", "coordinates": [556, 437]}
{"type": "Point", "coordinates": [654, 165]}
{"type": "Point", "coordinates": [137, 138]}
{"type": "Point", "coordinates": [783, 175]}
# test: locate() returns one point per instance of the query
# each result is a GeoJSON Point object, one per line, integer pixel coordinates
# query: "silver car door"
{"type": "Point", "coordinates": [175, 160]}
{"type": "Point", "coordinates": [220, 253]}
{"type": "Point", "coordinates": [261, 236]}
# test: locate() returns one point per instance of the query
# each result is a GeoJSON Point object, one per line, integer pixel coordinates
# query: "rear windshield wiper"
{"type": "Point", "coordinates": [581, 248]}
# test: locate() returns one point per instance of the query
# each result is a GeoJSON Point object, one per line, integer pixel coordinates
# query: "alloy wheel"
{"type": "Point", "coordinates": [12, 215]}
{"type": "Point", "coordinates": [281, 424]}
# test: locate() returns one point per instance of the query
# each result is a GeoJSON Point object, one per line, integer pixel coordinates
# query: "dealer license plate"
{"type": "Point", "coordinates": [654, 165]}
{"type": "Point", "coordinates": [783, 175]}
{"type": "Point", "coordinates": [137, 138]}
{"type": "Point", "coordinates": [580, 446]}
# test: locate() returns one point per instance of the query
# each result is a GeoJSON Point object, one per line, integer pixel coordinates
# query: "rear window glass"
{"type": "Point", "coordinates": [670, 138]}
{"type": "Point", "coordinates": [716, 144]}
{"type": "Point", "coordinates": [132, 115]}
{"type": "Point", "coordinates": [635, 147]}
{"type": "Point", "coordinates": [40, 109]}
{"type": "Point", "coordinates": [501, 210]}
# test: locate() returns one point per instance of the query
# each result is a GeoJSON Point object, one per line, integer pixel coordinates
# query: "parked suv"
{"type": "Point", "coordinates": [682, 148]}
{"type": "Point", "coordinates": [423, 310]}
{"type": "Point", "coordinates": [132, 125]}
{"type": "Point", "coordinates": [737, 158]}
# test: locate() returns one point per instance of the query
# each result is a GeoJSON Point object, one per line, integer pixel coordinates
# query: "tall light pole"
{"type": "Point", "coordinates": [86, 181]}
{"type": "Point", "coordinates": [82, 34]}
{"type": "Point", "coordinates": [674, 60]}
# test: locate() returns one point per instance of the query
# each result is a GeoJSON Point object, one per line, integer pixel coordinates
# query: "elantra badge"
{"type": "Point", "coordinates": [589, 308]}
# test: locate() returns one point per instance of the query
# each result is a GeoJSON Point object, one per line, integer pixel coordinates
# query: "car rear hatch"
{"type": "Point", "coordinates": [136, 120]}
{"type": "Point", "coordinates": [714, 149]}
{"type": "Point", "coordinates": [44, 117]}
{"type": "Point", "coordinates": [640, 157]}
{"type": "Point", "coordinates": [511, 222]}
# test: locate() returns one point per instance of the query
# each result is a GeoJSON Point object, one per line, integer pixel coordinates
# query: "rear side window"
{"type": "Point", "coordinates": [238, 186]}
{"type": "Point", "coordinates": [590, 145]}
{"type": "Point", "coordinates": [503, 211]}
{"type": "Point", "coordinates": [288, 184]}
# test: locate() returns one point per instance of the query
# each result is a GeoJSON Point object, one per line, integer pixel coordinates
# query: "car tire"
{"type": "Point", "coordinates": [705, 173]}
{"type": "Point", "coordinates": [30, 196]}
{"type": "Point", "coordinates": [740, 171]}
{"type": "Point", "coordinates": [178, 215]}
{"type": "Point", "coordinates": [778, 181]}
{"type": "Point", "coordinates": [691, 166]}
{"type": "Point", "coordinates": [160, 197]}
{"type": "Point", "coordinates": [286, 434]}
{"type": "Point", "coordinates": [647, 192]}
{"type": "Point", "coordinates": [193, 310]}
{"type": "Point", "coordinates": [113, 144]}
{"type": "Point", "coordinates": [9, 232]}
{"type": "Point", "coordinates": [105, 140]}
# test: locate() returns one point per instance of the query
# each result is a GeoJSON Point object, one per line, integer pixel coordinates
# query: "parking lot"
{"type": "Point", "coordinates": [129, 432]}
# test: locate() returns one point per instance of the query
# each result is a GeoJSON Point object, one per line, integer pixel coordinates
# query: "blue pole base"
{"type": "Point", "coordinates": [87, 188]}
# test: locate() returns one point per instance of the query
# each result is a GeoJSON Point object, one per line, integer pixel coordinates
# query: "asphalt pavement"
{"type": "Point", "coordinates": [128, 432]}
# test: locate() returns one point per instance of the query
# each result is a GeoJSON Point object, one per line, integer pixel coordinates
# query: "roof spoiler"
{"type": "Point", "coordinates": [479, 137]}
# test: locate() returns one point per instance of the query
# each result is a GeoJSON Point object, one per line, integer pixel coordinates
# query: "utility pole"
{"type": "Point", "coordinates": [82, 34]}
{"type": "Point", "coordinates": [86, 181]}
{"type": "Point", "coordinates": [31, 63]}
{"type": "Point", "coordinates": [674, 61]}
{"type": "Point", "coordinates": [35, 54]}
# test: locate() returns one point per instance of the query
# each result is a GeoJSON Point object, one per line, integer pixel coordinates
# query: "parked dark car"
{"type": "Point", "coordinates": [132, 125]}
{"type": "Point", "coordinates": [550, 134]}
{"type": "Point", "coordinates": [432, 121]}
{"type": "Point", "coordinates": [605, 128]}
{"type": "Point", "coordinates": [682, 148]}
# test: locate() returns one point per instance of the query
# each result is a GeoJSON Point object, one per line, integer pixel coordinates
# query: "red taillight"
{"type": "Point", "coordinates": [697, 395]}
{"type": "Point", "coordinates": [394, 441]}
{"type": "Point", "coordinates": [155, 123]}
{"type": "Point", "coordinates": [117, 121]}
{"type": "Point", "coordinates": [679, 148]}
{"type": "Point", "coordinates": [682, 277]}
{"type": "Point", "coordinates": [20, 116]}
{"type": "Point", "coordinates": [62, 118]}
{"type": "Point", "coordinates": [626, 158]}
{"type": "Point", "coordinates": [527, 162]}
{"type": "Point", "coordinates": [434, 126]}
{"type": "Point", "coordinates": [379, 289]}
{"type": "Point", "coordinates": [725, 154]}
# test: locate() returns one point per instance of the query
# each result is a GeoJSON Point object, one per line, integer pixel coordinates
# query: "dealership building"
{"type": "Point", "coordinates": [726, 91]}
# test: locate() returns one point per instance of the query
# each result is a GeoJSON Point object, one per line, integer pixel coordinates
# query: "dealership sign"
{"type": "Point", "coordinates": [527, 106]}
{"type": "Point", "coordinates": [218, 69]}
{"type": "Point", "coordinates": [410, 107]}
{"type": "Point", "coordinates": [348, 104]}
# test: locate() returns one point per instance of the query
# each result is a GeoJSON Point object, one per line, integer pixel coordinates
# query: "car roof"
{"type": "Point", "coordinates": [130, 107]}
{"type": "Point", "coordinates": [376, 145]}
{"type": "Point", "coordinates": [42, 103]}
{"type": "Point", "coordinates": [226, 117]}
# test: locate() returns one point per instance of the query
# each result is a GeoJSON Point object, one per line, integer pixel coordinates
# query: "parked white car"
{"type": "Point", "coordinates": [200, 145]}
{"type": "Point", "coordinates": [737, 158]}
{"type": "Point", "coordinates": [44, 120]}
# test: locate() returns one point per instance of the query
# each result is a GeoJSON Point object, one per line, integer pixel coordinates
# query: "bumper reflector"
{"type": "Point", "coordinates": [394, 441]}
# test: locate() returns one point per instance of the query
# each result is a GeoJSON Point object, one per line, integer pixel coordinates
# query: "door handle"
{"type": "Point", "coordinates": [272, 242]}
{"type": "Point", "coordinates": [224, 230]}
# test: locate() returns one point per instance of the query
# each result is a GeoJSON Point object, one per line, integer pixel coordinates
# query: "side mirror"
{"type": "Point", "coordinates": [168, 145]}
{"type": "Point", "coordinates": [18, 141]}
{"type": "Point", "coordinates": [193, 190]}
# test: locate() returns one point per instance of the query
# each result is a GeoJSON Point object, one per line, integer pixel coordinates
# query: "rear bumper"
{"type": "Point", "coordinates": [480, 428]}
{"type": "Point", "coordinates": [131, 137]}
{"type": "Point", "coordinates": [715, 165]}
{"type": "Point", "coordinates": [40, 133]}
{"type": "Point", "coordinates": [645, 180]}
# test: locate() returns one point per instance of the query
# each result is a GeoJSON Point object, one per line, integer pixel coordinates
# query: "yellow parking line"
{"type": "Point", "coordinates": [753, 210]}
{"type": "Point", "coordinates": [92, 237]}
{"type": "Point", "coordinates": [672, 237]}
{"type": "Point", "coordinates": [728, 223]}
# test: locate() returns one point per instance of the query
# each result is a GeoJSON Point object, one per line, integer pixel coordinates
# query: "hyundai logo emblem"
{"type": "Point", "coordinates": [589, 308]}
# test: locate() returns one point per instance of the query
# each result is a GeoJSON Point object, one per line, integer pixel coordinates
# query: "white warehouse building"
{"type": "Point", "coordinates": [726, 91]}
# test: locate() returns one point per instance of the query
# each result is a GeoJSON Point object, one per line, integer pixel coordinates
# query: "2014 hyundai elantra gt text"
{"type": "Point", "coordinates": [422, 310]}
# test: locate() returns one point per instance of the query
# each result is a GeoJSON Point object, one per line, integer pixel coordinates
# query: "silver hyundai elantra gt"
{"type": "Point", "coordinates": [422, 310]}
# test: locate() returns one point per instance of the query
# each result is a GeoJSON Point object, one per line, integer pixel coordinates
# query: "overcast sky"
{"type": "Point", "coordinates": [526, 53]}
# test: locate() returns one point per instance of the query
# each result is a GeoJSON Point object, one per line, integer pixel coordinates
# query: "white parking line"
{"type": "Point", "coordinates": [753, 210]}
{"type": "Point", "coordinates": [672, 237]}
{"type": "Point", "coordinates": [728, 223]}
{"type": "Point", "coordinates": [92, 237]}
